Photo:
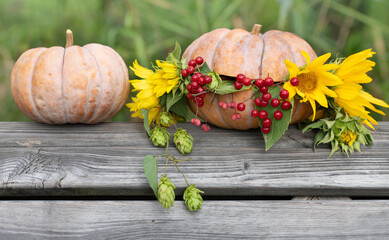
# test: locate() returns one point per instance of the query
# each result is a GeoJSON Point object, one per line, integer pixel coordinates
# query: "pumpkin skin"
{"type": "Point", "coordinates": [230, 52]}
{"type": "Point", "coordinates": [57, 85]}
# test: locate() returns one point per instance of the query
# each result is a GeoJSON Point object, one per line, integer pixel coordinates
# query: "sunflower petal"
{"type": "Point", "coordinates": [319, 61]}
{"type": "Point", "coordinates": [307, 57]}
{"type": "Point", "coordinates": [292, 69]}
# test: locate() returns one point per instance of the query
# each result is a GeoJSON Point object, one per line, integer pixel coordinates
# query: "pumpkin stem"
{"type": "Point", "coordinates": [256, 29]}
{"type": "Point", "coordinates": [69, 38]}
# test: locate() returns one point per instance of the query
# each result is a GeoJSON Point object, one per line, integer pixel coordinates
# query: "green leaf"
{"type": "Point", "coordinates": [278, 127]}
{"type": "Point", "coordinates": [150, 168]}
{"type": "Point", "coordinates": [172, 99]}
{"type": "Point", "coordinates": [174, 56]}
{"type": "Point", "coordinates": [162, 101]}
{"type": "Point", "coordinates": [181, 108]}
{"type": "Point", "coordinates": [319, 136]}
{"type": "Point", "coordinates": [204, 69]}
{"type": "Point", "coordinates": [145, 114]}
{"type": "Point", "coordinates": [227, 87]}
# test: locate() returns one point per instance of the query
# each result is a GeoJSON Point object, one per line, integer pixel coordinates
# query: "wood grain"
{"type": "Point", "coordinates": [106, 159]}
{"type": "Point", "coordinates": [217, 220]}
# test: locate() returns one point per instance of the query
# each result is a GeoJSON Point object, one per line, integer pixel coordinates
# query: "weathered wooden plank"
{"type": "Point", "coordinates": [106, 159]}
{"type": "Point", "coordinates": [217, 220]}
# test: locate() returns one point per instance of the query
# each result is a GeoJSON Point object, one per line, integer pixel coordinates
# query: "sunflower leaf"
{"type": "Point", "coordinates": [172, 99]}
{"type": "Point", "coordinates": [180, 108]}
{"type": "Point", "coordinates": [174, 56]}
{"type": "Point", "coordinates": [145, 114]}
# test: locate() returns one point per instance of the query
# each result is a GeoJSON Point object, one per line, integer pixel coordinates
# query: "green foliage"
{"type": "Point", "coordinates": [148, 30]}
{"type": "Point", "coordinates": [150, 168]}
{"type": "Point", "coordinates": [278, 127]}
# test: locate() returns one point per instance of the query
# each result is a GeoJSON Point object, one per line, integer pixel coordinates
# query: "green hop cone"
{"type": "Point", "coordinates": [215, 81]}
{"type": "Point", "coordinates": [159, 136]}
{"type": "Point", "coordinates": [183, 141]}
{"type": "Point", "coordinates": [192, 197]}
{"type": "Point", "coordinates": [166, 192]}
{"type": "Point", "coordinates": [165, 119]}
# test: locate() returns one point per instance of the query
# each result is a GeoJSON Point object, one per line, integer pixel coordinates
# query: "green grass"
{"type": "Point", "coordinates": [147, 30]}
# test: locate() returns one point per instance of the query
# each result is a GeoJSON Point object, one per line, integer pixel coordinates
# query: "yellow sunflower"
{"type": "Point", "coordinates": [146, 97]}
{"type": "Point", "coordinates": [350, 96]}
{"type": "Point", "coordinates": [314, 80]}
{"type": "Point", "coordinates": [134, 107]}
{"type": "Point", "coordinates": [165, 78]}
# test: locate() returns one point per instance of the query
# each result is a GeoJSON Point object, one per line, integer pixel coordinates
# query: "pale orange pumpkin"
{"type": "Point", "coordinates": [230, 52]}
{"type": "Point", "coordinates": [74, 84]}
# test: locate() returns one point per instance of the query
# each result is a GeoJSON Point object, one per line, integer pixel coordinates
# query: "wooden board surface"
{"type": "Point", "coordinates": [106, 159]}
{"type": "Point", "coordinates": [217, 220]}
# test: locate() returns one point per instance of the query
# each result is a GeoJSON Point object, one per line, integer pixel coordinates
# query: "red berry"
{"type": "Point", "coordinates": [207, 79]}
{"type": "Point", "coordinates": [284, 94]}
{"type": "Point", "coordinates": [257, 101]}
{"type": "Point", "coordinates": [200, 90]}
{"type": "Point", "coordinates": [240, 77]}
{"type": "Point", "coordinates": [264, 89]}
{"type": "Point", "coordinates": [195, 78]}
{"type": "Point", "coordinates": [195, 85]}
{"type": "Point", "coordinates": [263, 114]}
{"type": "Point", "coordinates": [199, 60]}
{"type": "Point", "coordinates": [223, 105]}
{"type": "Point", "coordinates": [198, 99]}
{"type": "Point", "coordinates": [266, 130]}
{"type": "Point", "coordinates": [266, 122]}
{"type": "Point", "coordinates": [238, 116]}
{"type": "Point", "coordinates": [205, 127]}
{"type": "Point", "coordinates": [200, 104]}
{"type": "Point", "coordinates": [184, 72]}
{"type": "Point", "coordinates": [241, 107]}
{"type": "Point", "coordinates": [192, 63]}
{"type": "Point", "coordinates": [247, 81]}
{"type": "Point", "coordinates": [269, 81]}
{"type": "Point", "coordinates": [294, 81]}
{"type": "Point", "coordinates": [255, 113]}
{"type": "Point", "coordinates": [201, 81]}
{"type": "Point", "coordinates": [233, 117]}
{"type": "Point", "coordinates": [189, 88]}
{"type": "Point", "coordinates": [285, 105]}
{"type": "Point", "coordinates": [199, 74]}
{"type": "Point", "coordinates": [259, 83]}
{"type": "Point", "coordinates": [189, 95]}
{"type": "Point", "coordinates": [191, 69]}
{"type": "Point", "coordinates": [232, 105]}
{"type": "Point", "coordinates": [195, 121]}
{"type": "Point", "coordinates": [278, 115]}
{"type": "Point", "coordinates": [275, 102]}
{"type": "Point", "coordinates": [266, 96]}
{"type": "Point", "coordinates": [264, 103]}
{"type": "Point", "coordinates": [238, 85]}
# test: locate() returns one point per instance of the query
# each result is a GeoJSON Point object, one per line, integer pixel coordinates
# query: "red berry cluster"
{"type": "Point", "coordinates": [196, 122]}
{"type": "Point", "coordinates": [195, 88]}
{"type": "Point", "coordinates": [262, 100]}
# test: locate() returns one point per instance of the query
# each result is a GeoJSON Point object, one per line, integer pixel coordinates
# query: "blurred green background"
{"type": "Point", "coordinates": [147, 30]}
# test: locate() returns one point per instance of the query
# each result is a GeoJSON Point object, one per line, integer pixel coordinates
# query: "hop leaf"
{"type": "Point", "coordinates": [159, 136]}
{"type": "Point", "coordinates": [166, 192]}
{"type": "Point", "coordinates": [183, 141]}
{"type": "Point", "coordinates": [192, 197]}
{"type": "Point", "coordinates": [165, 119]}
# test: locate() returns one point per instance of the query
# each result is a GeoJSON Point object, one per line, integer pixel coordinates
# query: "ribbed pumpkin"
{"type": "Point", "coordinates": [74, 84]}
{"type": "Point", "coordinates": [230, 52]}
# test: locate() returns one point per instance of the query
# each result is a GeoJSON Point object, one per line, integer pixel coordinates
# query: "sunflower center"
{"type": "Point", "coordinates": [348, 137]}
{"type": "Point", "coordinates": [308, 82]}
